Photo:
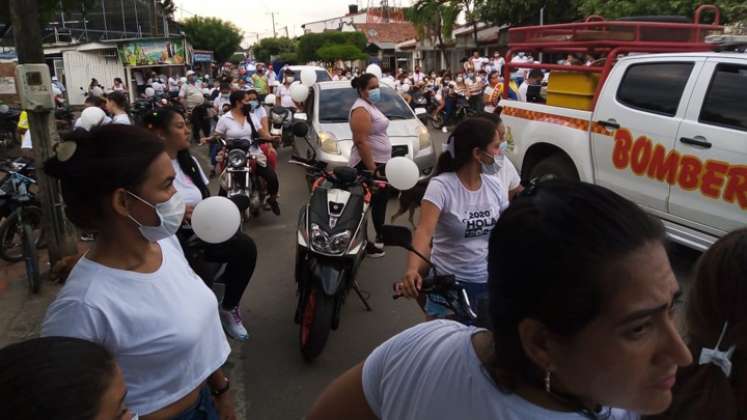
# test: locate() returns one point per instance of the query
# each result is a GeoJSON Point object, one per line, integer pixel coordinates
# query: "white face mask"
{"type": "Point", "coordinates": [170, 213]}
{"type": "Point", "coordinates": [289, 80]}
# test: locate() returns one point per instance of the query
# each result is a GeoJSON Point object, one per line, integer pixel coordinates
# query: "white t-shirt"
{"type": "Point", "coordinates": [257, 116]}
{"type": "Point", "coordinates": [183, 183]}
{"type": "Point", "coordinates": [173, 84]}
{"type": "Point", "coordinates": [192, 94]}
{"type": "Point", "coordinates": [460, 242]}
{"type": "Point", "coordinates": [285, 96]}
{"type": "Point", "coordinates": [522, 93]}
{"type": "Point", "coordinates": [121, 119]}
{"type": "Point", "coordinates": [26, 141]}
{"type": "Point", "coordinates": [508, 177]}
{"type": "Point", "coordinates": [219, 102]}
{"type": "Point", "coordinates": [432, 372]}
{"type": "Point", "coordinates": [231, 129]}
{"type": "Point", "coordinates": [163, 327]}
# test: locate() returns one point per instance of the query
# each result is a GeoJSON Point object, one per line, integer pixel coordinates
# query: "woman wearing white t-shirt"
{"type": "Point", "coordinates": [507, 173]}
{"type": "Point", "coordinates": [134, 292]}
{"type": "Point", "coordinates": [461, 205]}
{"type": "Point", "coordinates": [283, 95]}
{"type": "Point", "coordinates": [582, 310]}
{"type": "Point", "coordinates": [239, 253]}
{"type": "Point", "coordinates": [116, 105]}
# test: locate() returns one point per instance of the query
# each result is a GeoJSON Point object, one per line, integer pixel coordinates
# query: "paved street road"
{"type": "Point", "coordinates": [269, 374]}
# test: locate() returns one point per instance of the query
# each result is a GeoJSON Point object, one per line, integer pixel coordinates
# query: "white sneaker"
{"type": "Point", "coordinates": [233, 325]}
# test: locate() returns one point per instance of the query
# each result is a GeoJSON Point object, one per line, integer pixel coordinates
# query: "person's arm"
{"type": "Point", "coordinates": [343, 399]}
{"type": "Point", "coordinates": [223, 403]}
{"type": "Point", "coordinates": [421, 241]}
{"type": "Point", "coordinates": [360, 124]}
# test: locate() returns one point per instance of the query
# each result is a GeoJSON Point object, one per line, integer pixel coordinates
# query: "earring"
{"type": "Point", "coordinates": [548, 388]}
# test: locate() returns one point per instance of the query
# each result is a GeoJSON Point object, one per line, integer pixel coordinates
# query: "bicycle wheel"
{"type": "Point", "coordinates": [11, 233]}
{"type": "Point", "coordinates": [32, 261]}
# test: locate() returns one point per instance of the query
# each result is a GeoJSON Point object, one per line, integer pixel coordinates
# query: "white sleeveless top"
{"type": "Point", "coordinates": [381, 147]}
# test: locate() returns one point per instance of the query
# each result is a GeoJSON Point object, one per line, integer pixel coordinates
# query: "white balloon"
{"type": "Point", "coordinates": [97, 91]}
{"type": "Point", "coordinates": [270, 99]}
{"type": "Point", "coordinates": [299, 92]}
{"type": "Point", "coordinates": [91, 117]}
{"type": "Point", "coordinates": [150, 92]}
{"type": "Point", "coordinates": [308, 77]}
{"type": "Point", "coordinates": [215, 219]}
{"type": "Point", "coordinates": [402, 173]}
{"type": "Point", "coordinates": [374, 69]}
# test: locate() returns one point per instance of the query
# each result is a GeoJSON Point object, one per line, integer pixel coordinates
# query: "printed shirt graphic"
{"type": "Point", "coordinates": [460, 243]}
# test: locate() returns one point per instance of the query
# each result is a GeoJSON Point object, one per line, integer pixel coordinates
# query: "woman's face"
{"type": "Point", "coordinates": [487, 155]}
{"type": "Point", "coordinates": [177, 135]}
{"type": "Point", "coordinates": [158, 187]}
{"type": "Point", "coordinates": [373, 83]}
{"type": "Point", "coordinates": [111, 406]}
{"type": "Point", "coordinates": [627, 357]}
{"type": "Point", "coordinates": [494, 79]}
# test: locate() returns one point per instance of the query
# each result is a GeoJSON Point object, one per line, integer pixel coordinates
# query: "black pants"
{"type": "Point", "coordinates": [269, 175]}
{"type": "Point", "coordinates": [240, 256]}
{"type": "Point", "coordinates": [200, 125]}
{"type": "Point", "coordinates": [379, 200]}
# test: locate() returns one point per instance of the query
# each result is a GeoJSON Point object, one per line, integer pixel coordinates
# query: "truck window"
{"type": "Point", "coordinates": [654, 87]}
{"type": "Point", "coordinates": [725, 104]}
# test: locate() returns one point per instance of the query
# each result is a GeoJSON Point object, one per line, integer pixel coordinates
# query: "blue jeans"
{"type": "Point", "coordinates": [204, 409]}
{"type": "Point", "coordinates": [214, 148]}
{"type": "Point", "coordinates": [475, 293]}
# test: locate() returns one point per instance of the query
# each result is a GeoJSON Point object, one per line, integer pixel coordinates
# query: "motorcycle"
{"type": "Point", "coordinates": [420, 104]}
{"type": "Point", "coordinates": [17, 181]}
{"type": "Point", "coordinates": [330, 247]}
{"type": "Point", "coordinates": [237, 163]}
{"type": "Point", "coordinates": [443, 288]}
{"type": "Point", "coordinates": [281, 119]}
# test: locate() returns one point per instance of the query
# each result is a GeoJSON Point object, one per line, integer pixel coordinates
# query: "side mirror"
{"type": "Point", "coordinates": [300, 129]}
{"type": "Point", "coordinates": [394, 235]}
{"type": "Point", "coordinates": [301, 116]}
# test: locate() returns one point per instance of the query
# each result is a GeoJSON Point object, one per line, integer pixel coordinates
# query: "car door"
{"type": "Point", "coordinates": [635, 124]}
{"type": "Point", "coordinates": [712, 143]}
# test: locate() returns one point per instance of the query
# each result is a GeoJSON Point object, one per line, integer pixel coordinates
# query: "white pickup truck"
{"type": "Point", "coordinates": [668, 131]}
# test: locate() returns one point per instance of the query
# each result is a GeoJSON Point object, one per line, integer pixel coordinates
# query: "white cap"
{"type": "Point", "coordinates": [190, 73]}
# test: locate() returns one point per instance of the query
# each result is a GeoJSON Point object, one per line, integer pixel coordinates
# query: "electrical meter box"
{"type": "Point", "coordinates": [35, 87]}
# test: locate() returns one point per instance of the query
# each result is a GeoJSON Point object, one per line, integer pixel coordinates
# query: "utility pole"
{"type": "Point", "coordinates": [286, 31]}
{"type": "Point", "coordinates": [274, 34]}
{"type": "Point", "coordinates": [27, 34]}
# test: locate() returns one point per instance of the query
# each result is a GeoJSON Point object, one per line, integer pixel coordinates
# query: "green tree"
{"type": "Point", "coordinates": [332, 53]}
{"type": "Point", "coordinates": [209, 33]}
{"type": "Point", "coordinates": [471, 9]}
{"type": "Point", "coordinates": [434, 21]}
{"type": "Point", "coordinates": [731, 10]}
{"type": "Point", "coordinates": [47, 8]}
{"type": "Point", "coordinates": [527, 12]}
{"type": "Point", "coordinates": [309, 44]}
{"type": "Point", "coordinates": [268, 47]}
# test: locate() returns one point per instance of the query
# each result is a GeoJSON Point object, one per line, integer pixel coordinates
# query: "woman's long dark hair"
{"type": "Point", "coordinates": [718, 295]}
{"type": "Point", "coordinates": [58, 378]}
{"type": "Point", "coordinates": [553, 257]}
{"type": "Point", "coordinates": [469, 134]}
{"type": "Point", "coordinates": [161, 120]}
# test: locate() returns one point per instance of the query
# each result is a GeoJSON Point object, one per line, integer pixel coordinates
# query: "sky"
{"type": "Point", "coordinates": [254, 16]}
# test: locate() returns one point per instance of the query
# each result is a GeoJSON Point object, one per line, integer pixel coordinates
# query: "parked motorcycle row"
{"type": "Point", "coordinates": [423, 101]}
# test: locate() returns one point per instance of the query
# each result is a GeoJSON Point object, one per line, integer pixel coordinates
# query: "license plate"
{"type": "Point", "coordinates": [419, 111]}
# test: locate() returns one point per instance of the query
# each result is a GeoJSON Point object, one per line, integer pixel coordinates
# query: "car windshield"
{"type": "Point", "coordinates": [335, 104]}
{"type": "Point", "coordinates": [321, 76]}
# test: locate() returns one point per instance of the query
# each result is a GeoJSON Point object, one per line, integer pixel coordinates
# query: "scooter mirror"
{"type": "Point", "coordinates": [300, 129]}
{"type": "Point", "coordinates": [394, 235]}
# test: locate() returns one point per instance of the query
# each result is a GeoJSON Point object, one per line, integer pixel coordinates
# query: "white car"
{"type": "Point", "coordinates": [327, 112]}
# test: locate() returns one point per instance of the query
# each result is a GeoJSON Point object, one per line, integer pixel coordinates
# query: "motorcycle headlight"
{"type": "Point", "coordinates": [277, 118]}
{"type": "Point", "coordinates": [323, 242]}
{"type": "Point", "coordinates": [236, 158]}
{"type": "Point", "coordinates": [424, 138]}
{"type": "Point", "coordinates": [328, 143]}
{"type": "Point", "coordinates": [420, 100]}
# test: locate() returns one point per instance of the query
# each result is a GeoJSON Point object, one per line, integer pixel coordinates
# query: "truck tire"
{"type": "Point", "coordinates": [557, 165]}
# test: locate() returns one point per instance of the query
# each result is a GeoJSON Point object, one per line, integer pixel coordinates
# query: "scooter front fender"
{"type": "Point", "coordinates": [329, 277]}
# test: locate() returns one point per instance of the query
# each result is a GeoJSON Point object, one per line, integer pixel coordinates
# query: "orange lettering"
{"type": "Point", "coordinates": [713, 178]}
{"type": "Point", "coordinates": [690, 168]}
{"type": "Point", "coordinates": [640, 155]}
{"type": "Point", "coordinates": [664, 167]}
{"type": "Point", "coordinates": [621, 152]}
{"type": "Point", "coordinates": [736, 188]}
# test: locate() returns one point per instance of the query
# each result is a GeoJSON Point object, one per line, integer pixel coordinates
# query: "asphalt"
{"type": "Point", "coordinates": [270, 379]}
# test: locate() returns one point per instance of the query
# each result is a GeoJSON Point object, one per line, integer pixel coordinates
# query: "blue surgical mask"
{"type": "Point", "coordinates": [494, 167]}
{"type": "Point", "coordinates": [170, 214]}
{"type": "Point", "coordinates": [374, 95]}
{"type": "Point", "coordinates": [253, 105]}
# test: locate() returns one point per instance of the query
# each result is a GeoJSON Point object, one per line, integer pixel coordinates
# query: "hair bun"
{"type": "Point", "coordinates": [355, 82]}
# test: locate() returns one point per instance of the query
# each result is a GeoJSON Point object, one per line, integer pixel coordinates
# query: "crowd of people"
{"type": "Point", "coordinates": [582, 300]}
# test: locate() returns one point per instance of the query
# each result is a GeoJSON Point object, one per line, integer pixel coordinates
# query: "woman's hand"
{"type": "Point", "coordinates": [188, 212]}
{"type": "Point", "coordinates": [205, 140]}
{"type": "Point", "coordinates": [410, 285]}
{"type": "Point", "coordinates": [225, 406]}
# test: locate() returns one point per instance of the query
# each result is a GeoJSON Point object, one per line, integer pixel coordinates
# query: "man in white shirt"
{"type": "Point", "coordinates": [223, 98]}
{"type": "Point", "coordinates": [418, 76]}
{"type": "Point", "coordinates": [173, 83]}
{"type": "Point", "coordinates": [534, 79]}
{"type": "Point", "coordinates": [190, 95]}
{"type": "Point", "coordinates": [476, 61]}
{"type": "Point", "coordinates": [498, 63]}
